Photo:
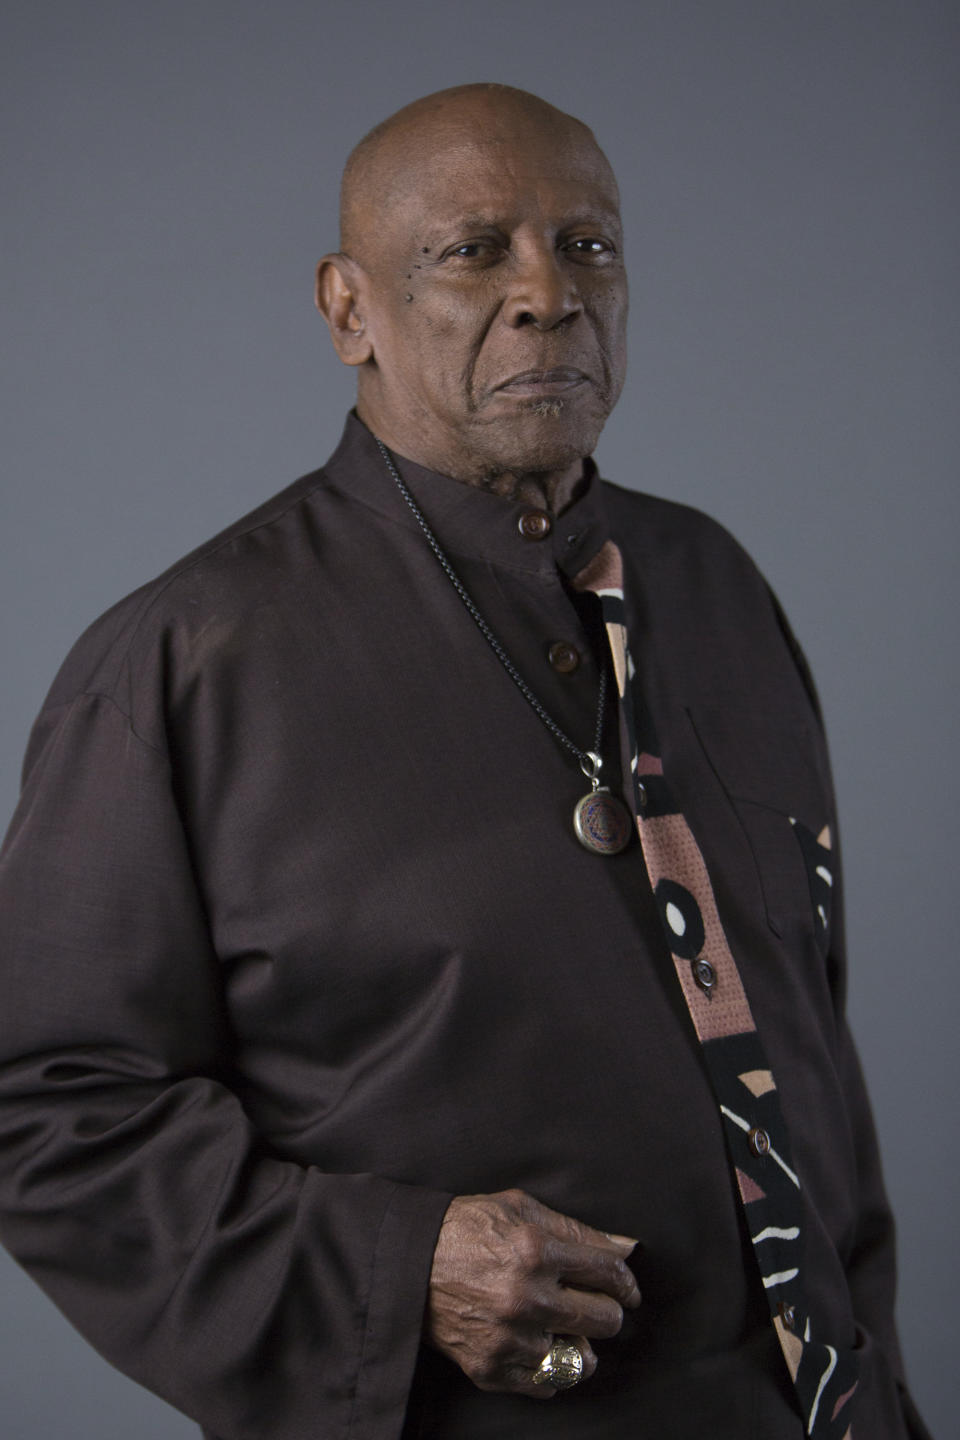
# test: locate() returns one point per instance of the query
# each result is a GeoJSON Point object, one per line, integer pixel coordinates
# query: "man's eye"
{"type": "Point", "coordinates": [590, 246]}
{"type": "Point", "coordinates": [469, 250]}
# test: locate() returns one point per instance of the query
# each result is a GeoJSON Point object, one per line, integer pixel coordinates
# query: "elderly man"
{"type": "Point", "coordinates": [421, 921]}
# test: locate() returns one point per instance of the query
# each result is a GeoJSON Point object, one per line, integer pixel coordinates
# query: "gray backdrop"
{"type": "Point", "coordinates": [791, 206]}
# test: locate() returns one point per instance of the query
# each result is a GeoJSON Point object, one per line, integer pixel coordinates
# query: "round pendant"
{"type": "Point", "coordinates": [602, 823]}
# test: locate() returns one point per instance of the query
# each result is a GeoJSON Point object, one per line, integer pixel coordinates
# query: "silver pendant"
{"type": "Point", "coordinates": [601, 822]}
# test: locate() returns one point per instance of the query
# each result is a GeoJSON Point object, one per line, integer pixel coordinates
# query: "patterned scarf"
{"type": "Point", "coordinates": [742, 1080]}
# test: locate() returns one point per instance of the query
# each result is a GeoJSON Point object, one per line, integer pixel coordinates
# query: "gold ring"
{"type": "Point", "coordinates": [561, 1367]}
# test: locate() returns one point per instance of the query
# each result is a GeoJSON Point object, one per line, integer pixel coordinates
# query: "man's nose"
{"type": "Point", "coordinates": [542, 291]}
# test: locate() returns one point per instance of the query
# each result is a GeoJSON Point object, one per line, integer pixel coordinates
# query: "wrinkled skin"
{"type": "Point", "coordinates": [509, 1274]}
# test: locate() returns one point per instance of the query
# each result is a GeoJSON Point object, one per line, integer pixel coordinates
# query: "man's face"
{"type": "Point", "coordinates": [495, 301]}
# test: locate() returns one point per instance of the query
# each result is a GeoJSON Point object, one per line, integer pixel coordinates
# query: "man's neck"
{"type": "Point", "coordinates": [548, 489]}
{"type": "Point", "coordinates": [552, 491]}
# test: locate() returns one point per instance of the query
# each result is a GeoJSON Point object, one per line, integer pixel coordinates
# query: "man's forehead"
{"type": "Point", "coordinates": [467, 150]}
{"type": "Point", "coordinates": [477, 181]}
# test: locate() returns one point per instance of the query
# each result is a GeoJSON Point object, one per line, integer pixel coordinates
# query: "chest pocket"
{"type": "Point", "coordinates": [776, 780]}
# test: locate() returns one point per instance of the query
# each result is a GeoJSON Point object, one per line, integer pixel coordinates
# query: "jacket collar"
{"type": "Point", "coordinates": [469, 522]}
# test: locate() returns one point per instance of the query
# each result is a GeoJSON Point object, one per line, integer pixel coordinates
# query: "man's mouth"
{"type": "Point", "coordinates": [541, 384]}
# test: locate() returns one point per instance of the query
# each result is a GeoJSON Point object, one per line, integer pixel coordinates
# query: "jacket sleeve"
{"type": "Point", "coordinates": [259, 1297]}
{"type": "Point", "coordinates": [870, 1261]}
{"type": "Point", "coordinates": [871, 1264]}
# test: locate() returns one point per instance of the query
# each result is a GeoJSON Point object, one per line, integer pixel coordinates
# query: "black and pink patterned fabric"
{"type": "Point", "coordinates": [740, 1073]}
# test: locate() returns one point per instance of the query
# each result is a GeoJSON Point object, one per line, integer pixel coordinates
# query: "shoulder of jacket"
{"type": "Point", "coordinates": [653, 522]}
{"type": "Point", "coordinates": [225, 563]}
{"type": "Point", "coordinates": [652, 529]}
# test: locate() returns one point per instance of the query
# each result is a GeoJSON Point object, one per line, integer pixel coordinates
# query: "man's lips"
{"type": "Point", "coordinates": [542, 382]}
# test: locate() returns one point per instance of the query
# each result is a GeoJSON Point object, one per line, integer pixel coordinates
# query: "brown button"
{"type": "Point", "coordinates": [759, 1141]}
{"type": "Point", "coordinates": [535, 524]}
{"type": "Point", "coordinates": [788, 1314]}
{"type": "Point", "coordinates": [563, 656]}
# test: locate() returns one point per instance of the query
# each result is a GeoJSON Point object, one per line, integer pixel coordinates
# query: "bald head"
{"type": "Point", "coordinates": [388, 164]}
{"type": "Point", "coordinates": [479, 289]}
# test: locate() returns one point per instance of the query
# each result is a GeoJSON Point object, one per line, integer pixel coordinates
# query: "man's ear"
{"type": "Point", "coordinates": [337, 297]}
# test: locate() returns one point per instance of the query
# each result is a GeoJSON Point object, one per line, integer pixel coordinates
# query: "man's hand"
{"type": "Point", "coordinates": [509, 1275]}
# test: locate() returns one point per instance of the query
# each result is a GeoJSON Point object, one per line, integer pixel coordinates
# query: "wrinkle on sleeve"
{"type": "Point", "coordinates": [258, 1296]}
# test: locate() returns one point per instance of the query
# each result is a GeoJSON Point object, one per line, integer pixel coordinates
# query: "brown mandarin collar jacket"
{"type": "Point", "coordinates": [298, 942]}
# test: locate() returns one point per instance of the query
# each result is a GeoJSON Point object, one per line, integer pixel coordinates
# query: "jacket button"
{"type": "Point", "coordinates": [759, 1141]}
{"type": "Point", "coordinates": [563, 656]}
{"type": "Point", "coordinates": [705, 975]}
{"type": "Point", "coordinates": [788, 1314]}
{"type": "Point", "coordinates": [535, 524]}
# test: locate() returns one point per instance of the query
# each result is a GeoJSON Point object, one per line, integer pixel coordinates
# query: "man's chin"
{"type": "Point", "coordinates": [543, 436]}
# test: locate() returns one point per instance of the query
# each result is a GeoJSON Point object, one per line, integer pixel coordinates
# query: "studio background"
{"type": "Point", "coordinates": [789, 191]}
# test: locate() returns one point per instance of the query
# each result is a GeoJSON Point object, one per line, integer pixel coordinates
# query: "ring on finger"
{"type": "Point", "coordinates": [561, 1367]}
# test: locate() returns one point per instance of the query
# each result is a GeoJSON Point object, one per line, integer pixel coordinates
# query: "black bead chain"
{"type": "Point", "coordinates": [491, 638]}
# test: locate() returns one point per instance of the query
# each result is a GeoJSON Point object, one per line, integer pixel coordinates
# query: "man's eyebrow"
{"type": "Point", "coordinates": [462, 220]}
{"type": "Point", "coordinates": [606, 218]}
{"type": "Point", "coordinates": [441, 229]}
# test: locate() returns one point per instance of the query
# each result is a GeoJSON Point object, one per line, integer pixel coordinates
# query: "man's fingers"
{"type": "Point", "coordinates": [508, 1274]}
{"type": "Point", "coordinates": [584, 1312]}
{"type": "Point", "coordinates": [623, 1241]}
{"type": "Point", "coordinates": [585, 1257]}
{"type": "Point", "coordinates": [564, 1227]}
{"type": "Point", "coordinates": [587, 1351]}
{"type": "Point", "coordinates": [589, 1268]}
